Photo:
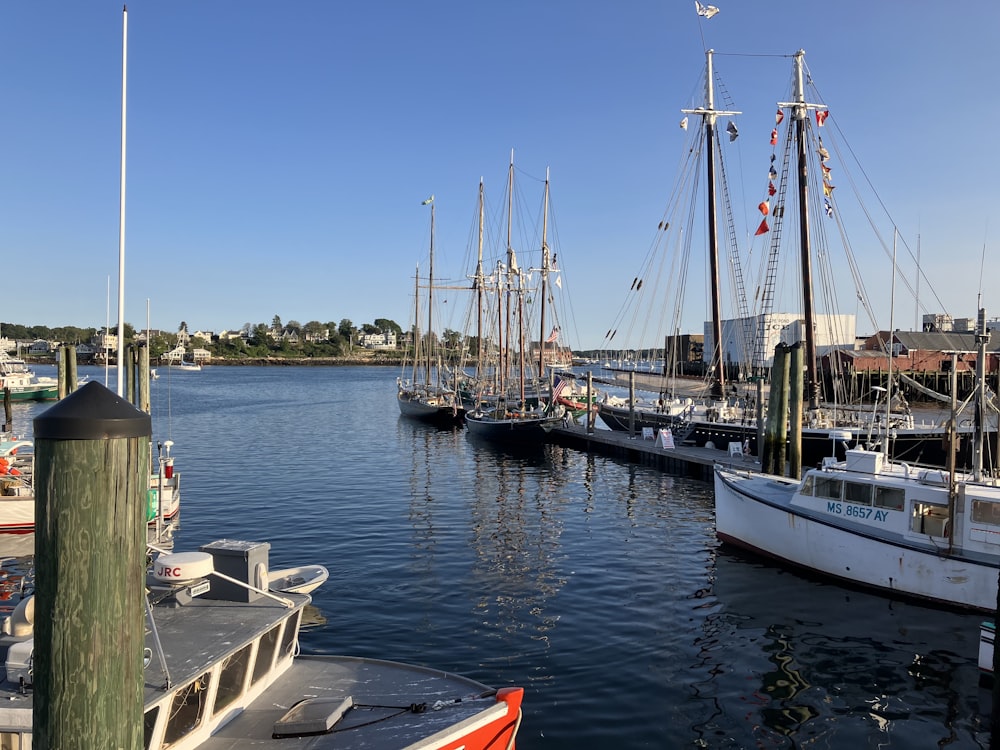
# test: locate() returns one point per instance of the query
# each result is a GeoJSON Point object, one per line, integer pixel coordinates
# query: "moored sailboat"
{"type": "Point", "coordinates": [422, 395]}
{"type": "Point", "coordinates": [522, 408]}
{"type": "Point", "coordinates": [734, 408]}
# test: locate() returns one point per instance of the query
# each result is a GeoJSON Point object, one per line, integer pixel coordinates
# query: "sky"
{"type": "Point", "coordinates": [278, 153]}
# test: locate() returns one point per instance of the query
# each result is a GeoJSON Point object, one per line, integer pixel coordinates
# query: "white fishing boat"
{"type": "Point", "coordinates": [224, 669]}
{"type": "Point", "coordinates": [185, 366]}
{"type": "Point", "coordinates": [922, 533]}
{"type": "Point", "coordinates": [302, 579]}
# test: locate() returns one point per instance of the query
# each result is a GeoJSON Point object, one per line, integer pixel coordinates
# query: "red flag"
{"type": "Point", "coordinates": [771, 190]}
{"type": "Point", "coordinates": [762, 228]}
{"type": "Point", "coordinates": [764, 207]}
{"type": "Point", "coordinates": [779, 117]}
{"type": "Point", "coordinates": [774, 137]}
{"type": "Point", "coordinates": [821, 115]}
{"type": "Point", "coordinates": [553, 336]}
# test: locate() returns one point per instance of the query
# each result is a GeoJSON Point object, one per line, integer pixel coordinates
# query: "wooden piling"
{"type": "Point", "coordinates": [774, 426]}
{"type": "Point", "coordinates": [795, 394]}
{"type": "Point", "coordinates": [631, 404]}
{"type": "Point", "coordinates": [590, 405]}
{"type": "Point", "coordinates": [8, 412]}
{"type": "Point", "coordinates": [142, 378]}
{"type": "Point", "coordinates": [781, 442]}
{"type": "Point", "coordinates": [91, 469]}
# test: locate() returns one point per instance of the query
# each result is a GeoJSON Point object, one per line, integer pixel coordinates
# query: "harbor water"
{"type": "Point", "coordinates": [597, 585]}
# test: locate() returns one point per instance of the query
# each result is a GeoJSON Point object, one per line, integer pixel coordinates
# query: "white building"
{"type": "Point", "coordinates": [740, 336]}
{"type": "Point", "coordinates": [385, 340]}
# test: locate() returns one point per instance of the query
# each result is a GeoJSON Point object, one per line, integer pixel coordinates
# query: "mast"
{"type": "Point", "coordinates": [545, 277]}
{"type": "Point", "coordinates": [511, 259]}
{"type": "Point", "coordinates": [121, 217]}
{"type": "Point", "coordinates": [478, 286]}
{"type": "Point", "coordinates": [430, 303]}
{"type": "Point", "coordinates": [889, 353]}
{"type": "Point", "coordinates": [416, 325]}
{"type": "Point", "coordinates": [982, 339]}
{"type": "Point", "coordinates": [800, 113]}
{"type": "Point", "coordinates": [709, 115]}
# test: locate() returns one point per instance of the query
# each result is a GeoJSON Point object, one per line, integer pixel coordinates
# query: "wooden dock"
{"type": "Point", "coordinates": [683, 460]}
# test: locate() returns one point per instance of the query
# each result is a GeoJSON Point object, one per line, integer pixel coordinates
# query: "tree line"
{"type": "Point", "coordinates": [290, 339]}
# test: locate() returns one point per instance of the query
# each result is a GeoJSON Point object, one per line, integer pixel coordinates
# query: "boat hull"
{"type": "Point", "coordinates": [919, 446]}
{"type": "Point", "coordinates": [34, 393]}
{"type": "Point", "coordinates": [523, 430]}
{"type": "Point", "coordinates": [764, 523]}
{"type": "Point", "coordinates": [435, 409]}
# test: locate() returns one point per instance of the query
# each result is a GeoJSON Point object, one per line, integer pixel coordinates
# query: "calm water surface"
{"type": "Point", "coordinates": [597, 585]}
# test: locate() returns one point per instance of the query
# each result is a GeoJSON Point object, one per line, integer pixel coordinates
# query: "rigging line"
{"type": "Point", "coordinates": [832, 122]}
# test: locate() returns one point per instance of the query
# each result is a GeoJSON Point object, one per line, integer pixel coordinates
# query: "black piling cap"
{"type": "Point", "coordinates": [92, 412]}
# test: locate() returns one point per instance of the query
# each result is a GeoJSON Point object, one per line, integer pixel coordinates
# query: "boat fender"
{"type": "Point", "coordinates": [22, 619]}
{"type": "Point", "coordinates": [180, 567]}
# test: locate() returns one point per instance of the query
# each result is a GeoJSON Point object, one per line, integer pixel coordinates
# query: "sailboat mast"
{"type": "Point", "coordinates": [121, 218]}
{"type": "Point", "coordinates": [800, 113]}
{"type": "Point", "coordinates": [430, 303]}
{"type": "Point", "coordinates": [479, 291]}
{"type": "Point", "coordinates": [511, 260]}
{"type": "Point", "coordinates": [709, 115]}
{"type": "Point", "coordinates": [416, 325]}
{"type": "Point", "coordinates": [545, 277]}
{"type": "Point", "coordinates": [982, 339]}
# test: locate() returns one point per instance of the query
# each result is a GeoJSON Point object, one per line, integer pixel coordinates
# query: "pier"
{"type": "Point", "coordinates": [685, 460]}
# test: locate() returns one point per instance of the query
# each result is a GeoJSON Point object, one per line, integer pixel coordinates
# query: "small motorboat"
{"type": "Point", "coordinates": [303, 579]}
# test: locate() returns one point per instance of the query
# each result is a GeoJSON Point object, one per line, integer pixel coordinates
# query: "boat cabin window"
{"type": "Point", "coordinates": [856, 492]}
{"type": "Point", "coordinates": [889, 497]}
{"type": "Point", "coordinates": [265, 653]}
{"type": "Point", "coordinates": [827, 487]}
{"type": "Point", "coordinates": [984, 511]}
{"type": "Point", "coordinates": [148, 725]}
{"type": "Point", "coordinates": [930, 519]}
{"type": "Point", "coordinates": [232, 677]}
{"type": "Point", "coordinates": [187, 709]}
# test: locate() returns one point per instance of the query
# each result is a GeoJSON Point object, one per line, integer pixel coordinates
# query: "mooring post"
{"type": "Point", "coordinates": [781, 444]}
{"type": "Point", "coordinates": [631, 404]}
{"type": "Point", "coordinates": [795, 396]}
{"type": "Point", "coordinates": [91, 475]}
{"type": "Point", "coordinates": [143, 378]}
{"type": "Point", "coordinates": [590, 403]}
{"type": "Point", "coordinates": [69, 354]}
{"type": "Point", "coordinates": [774, 430]}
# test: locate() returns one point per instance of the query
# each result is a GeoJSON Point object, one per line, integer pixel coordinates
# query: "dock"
{"type": "Point", "coordinates": [684, 460]}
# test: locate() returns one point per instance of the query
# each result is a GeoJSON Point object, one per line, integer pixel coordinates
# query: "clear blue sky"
{"type": "Point", "coordinates": [278, 153]}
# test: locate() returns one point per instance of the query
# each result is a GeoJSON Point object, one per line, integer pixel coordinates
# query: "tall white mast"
{"type": "Point", "coordinates": [121, 216]}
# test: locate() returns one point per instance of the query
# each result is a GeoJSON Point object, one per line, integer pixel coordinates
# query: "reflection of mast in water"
{"type": "Point", "coordinates": [516, 532]}
{"type": "Point", "coordinates": [427, 440]}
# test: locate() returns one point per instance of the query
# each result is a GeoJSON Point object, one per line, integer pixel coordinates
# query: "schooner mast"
{"type": "Point", "coordinates": [709, 115]}
{"type": "Point", "coordinates": [800, 113]}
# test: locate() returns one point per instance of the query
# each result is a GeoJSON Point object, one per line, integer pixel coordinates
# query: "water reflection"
{"type": "Point", "coordinates": [827, 664]}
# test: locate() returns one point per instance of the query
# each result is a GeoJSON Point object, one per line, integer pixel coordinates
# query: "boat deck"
{"type": "Point", "coordinates": [394, 705]}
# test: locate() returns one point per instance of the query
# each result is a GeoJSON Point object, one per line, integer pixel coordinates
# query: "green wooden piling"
{"type": "Point", "coordinates": [91, 469]}
{"type": "Point", "coordinates": [781, 444]}
{"type": "Point", "coordinates": [774, 426]}
{"type": "Point", "coordinates": [795, 391]}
